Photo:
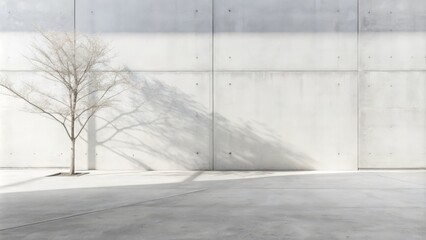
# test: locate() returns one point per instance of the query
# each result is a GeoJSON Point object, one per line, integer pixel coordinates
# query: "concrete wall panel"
{"type": "Point", "coordinates": [285, 121]}
{"type": "Point", "coordinates": [266, 116]}
{"type": "Point", "coordinates": [393, 120]}
{"type": "Point", "coordinates": [392, 15]}
{"type": "Point", "coordinates": [152, 35]}
{"type": "Point", "coordinates": [162, 123]}
{"type": "Point", "coordinates": [20, 19]}
{"type": "Point", "coordinates": [285, 35]}
{"type": "Point", "coordinates": [160, 51]}
{"type": "Point", "coordinates": [33, 140]}
{"type": "Point", "coordinates": [26, 15]}
{"type": "Point", "coordinates": [392, 35]}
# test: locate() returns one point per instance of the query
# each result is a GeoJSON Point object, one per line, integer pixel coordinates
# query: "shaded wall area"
{"type": "Point", "coordinates": [233, 84]}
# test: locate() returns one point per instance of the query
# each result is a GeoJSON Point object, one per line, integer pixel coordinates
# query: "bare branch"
{"type": "Point", "coordinates": [81, 82]}
{"type": "Point", "coordinates": [27, 100]}
{"type": "Point", "coordinates": [85, 122]}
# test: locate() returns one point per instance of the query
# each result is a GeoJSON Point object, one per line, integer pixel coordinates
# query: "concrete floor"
{"type": "Point", "coordinates": [213, 205]}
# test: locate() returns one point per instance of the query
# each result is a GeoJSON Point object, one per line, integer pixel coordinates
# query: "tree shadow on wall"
{"type": "Point", "coordinates": [163, 123]}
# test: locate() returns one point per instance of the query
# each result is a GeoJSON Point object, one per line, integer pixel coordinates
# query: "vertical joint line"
{"type": "Point", "coordinates": [74, 17]}
{"type": "Point", "coordinates": [212, 92]}
{"type": "Point", "coordinates": [357, 80]}
{"type": "Point", "coordinates": [74, 29]}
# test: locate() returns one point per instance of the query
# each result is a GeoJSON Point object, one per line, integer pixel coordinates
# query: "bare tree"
{"type": "Point", "coordinates": [77, 82]}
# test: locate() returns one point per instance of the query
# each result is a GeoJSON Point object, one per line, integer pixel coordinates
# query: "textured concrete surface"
{"type": "Point", "coordinates": [392, 119]}
{"type": "Point", "coordinates": [306, 121]}
{"type": "Point", "coordinates": [19, 21]}
{"type": "Point", "coordinates": [179, 44]}
{"type": "Point", "coordinates": [287, 35]}
{"type": "Point", "coordinates": [32, 140]}
{"type": "Point", "coordinates": [163, 122]}
{"type": "Point", "coordinates": [213, 205]}
{"type": "Point", "coordinates": [392, 84]}
{"type": "Point", "coordinates": [392, 35]}
{"type": "Point", "coordinates": [152, 35]}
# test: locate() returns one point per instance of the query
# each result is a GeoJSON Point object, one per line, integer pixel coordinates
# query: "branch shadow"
{"type": "Point", "coordinates": [165, 123]}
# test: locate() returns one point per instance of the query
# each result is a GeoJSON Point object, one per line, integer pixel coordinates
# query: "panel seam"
{"type": "Point", "coordinates": [357, 90]}
{"type": "Point", "coordinates": [213, 96]}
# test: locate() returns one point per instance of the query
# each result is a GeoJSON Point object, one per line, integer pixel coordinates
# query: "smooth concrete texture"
{"type": "Point", "coordinates": [285, 16]}
{"type": "Point", "coordinates": [395, 15]}
{"type": "Point", "coordinates": [152, 35]}
{"type": "Point", "coordinates": [161, 52]}
{"type": "Point", "coordinates": [285, 35]}
{"type": "Point", "coordinates": [392, 35]}
{"type": "Point", "coordinates": [392, 84]}
{"type": "Point", "coordinates": [41, 142]}
{"type": "Point", "coordinates": [393, 51]}
{"type": "Point", "coordinates": [213, 205]}
{"type": "Point", "coordinates": [25, 15]}
{"type": "Point", "coordinates": [300, 121]}
{"type": "Point", "coordinates": [393, 120]}
{"type": "Point", "coordinates": [162, 122]}
{"type": "Point", "coordinates": [20, 19]}
{"type": "Point", "coordinates": [285, 60]}
{"type": "Point", "coordinates": [161, 16]}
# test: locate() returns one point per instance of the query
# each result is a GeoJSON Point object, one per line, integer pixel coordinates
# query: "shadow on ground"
{"type": "Point", "coordinates": [213, 205]}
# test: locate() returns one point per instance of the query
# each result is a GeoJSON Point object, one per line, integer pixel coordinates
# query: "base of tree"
{"type": "Point", "coordinates": [67, 174]}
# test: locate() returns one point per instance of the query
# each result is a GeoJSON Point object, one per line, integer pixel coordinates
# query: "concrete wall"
{"type": "Point", "coordinates": [28, 139]}
{"type": "Point", "coordinates": [392, 84]}
{"type": "Point", "coordinates": [285, 120]}
{"type": "Point", "coordinates": [234, 84]}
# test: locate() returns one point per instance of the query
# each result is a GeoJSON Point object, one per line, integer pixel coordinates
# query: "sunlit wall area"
{"type": "Point", "coordinates": [392, 84]}
{"type": "Point", "coordinates": [28, 139]}
{"type": "Point", "coordinates": [233, 84]}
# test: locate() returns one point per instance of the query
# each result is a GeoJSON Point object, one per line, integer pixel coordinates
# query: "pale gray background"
{"type": "Point", "coordinates": [309, 85]}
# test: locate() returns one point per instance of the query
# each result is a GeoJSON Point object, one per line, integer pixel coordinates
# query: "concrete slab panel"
{"type": "Point", "coordinates": [392, 51]}
{"type": "Point", "coordinates": [285, 35]}
{"type": "Point", "coordinates": [160, 51]}
{"type": "Point", "coordinates": [20, 19]}
{"type": "Point", "coordinates": [392, 35]}
{"type": "Point", "coordinates": [285, 16]}
{"type": "Point", "coordinates": [27, 15]}
{"type": "Point", "coordinates": [162, 123]}
{"type": "Point", "coordinates": [285, 121]}
{"type": "Point", "coordinates": [152, 35]}
{"type": "Point", "coordinates": [392, 15]}
{"type": "Point", "coordinates": [164, 16]}
{"type": "Point", "coordinates": [28, 139]}
{"type": "Point", "coordinates": [392, 120]}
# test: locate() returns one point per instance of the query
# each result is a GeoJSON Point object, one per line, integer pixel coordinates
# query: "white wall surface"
{"type": "Point", "coordinates": [285, 35]}
{"type": "Point", "coordinates": [28, 139]}
{"type": "Point", "coordinates": [286, 121]}
{"type": "Point", "coordinates": [392, 84]}
{"type": "Point", "coordinates": [152, 35]}
{"type": "Point", "coordinates": [162, 122]}
{"type": "Point", "coordinates": [279, 84]}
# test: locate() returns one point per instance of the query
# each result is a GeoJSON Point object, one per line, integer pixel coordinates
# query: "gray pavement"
{"type": "Point", "coordinates": [213, 205]}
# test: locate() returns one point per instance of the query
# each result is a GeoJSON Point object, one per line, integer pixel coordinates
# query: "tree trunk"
{"type": "Point", "coordinates": [72, 167]}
